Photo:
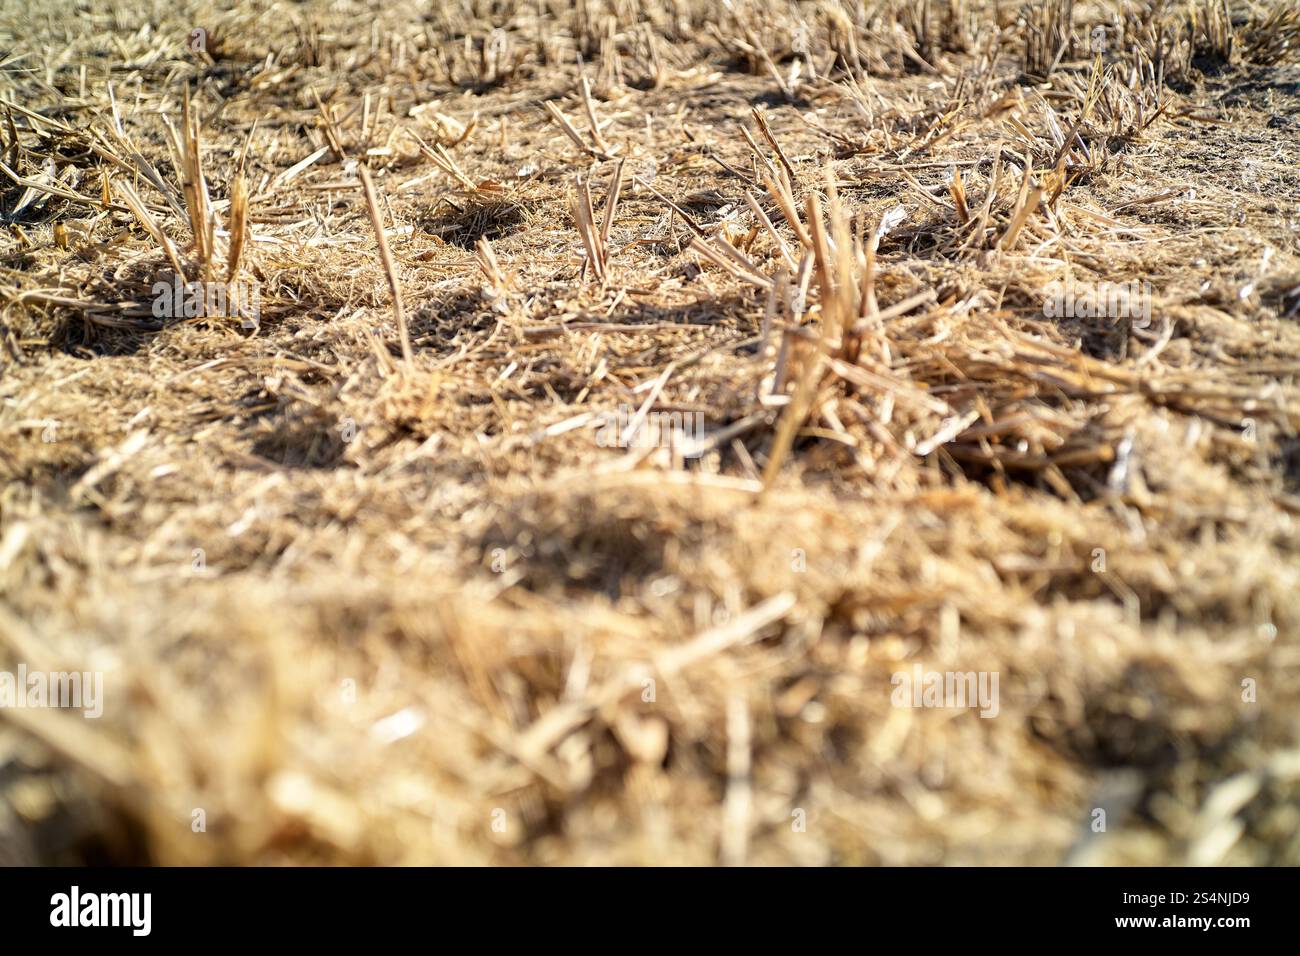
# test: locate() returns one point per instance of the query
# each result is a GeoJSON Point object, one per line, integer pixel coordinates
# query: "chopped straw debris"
{"type": "Point", "coordinates": [965, 339]}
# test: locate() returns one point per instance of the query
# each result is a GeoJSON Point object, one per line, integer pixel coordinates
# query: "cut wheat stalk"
{"type": "Point", "coordinates": [571, 131]}
{"type": "Point", "coordinates": [793, 417]}
{"type": "Point", "coordinates": [238, 226]}
{"type": "Point", "coordinates": [766, 130]}
{"type": "Point", "coordinates": [686, 217]}
{"type": "Point", "coordinates": [726, 256]}
{"type": "Point", "coordinates": [133, 202]}
{"type": "Point", "coordinates": [593, 122]}
{"type": "Point", "coordinates": [757, 47]}
{"type": "Point", "coordinates": [193, 185]}
{"type": "Point", "coordinates": [442, 159]}
{"type": "Point", "coordinates": [779, 189]}
{"type": "Point", "coordinates": [385, 257]}
{"type": "Point", "coordinates": [1026, 203]}
{"type": "Point", "coordinates": [782, 247]}
{"type": "Point", "coordinates": [958, 190]}
{"type": "Point", "coordinates": [328, 125]}
{"type": "Point", "coordinates": [611, 203]}
{"type": "Point", "coordinates": [486, 258]}
{"type": "Point", "coordinates": [584, 218]}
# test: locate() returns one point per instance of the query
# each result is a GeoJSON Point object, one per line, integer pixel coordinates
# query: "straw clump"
{"type": "Point", "coordinates": [965, 336]}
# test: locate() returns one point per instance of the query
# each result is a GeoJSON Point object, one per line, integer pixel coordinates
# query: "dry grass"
{"type": "Point", "coordinates": [365, 586]}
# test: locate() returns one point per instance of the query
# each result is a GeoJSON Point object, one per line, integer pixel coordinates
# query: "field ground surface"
{"type": "Point", "coordinates": [377, 567]}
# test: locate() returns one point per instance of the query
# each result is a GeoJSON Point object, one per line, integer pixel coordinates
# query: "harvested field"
{"type": "Point", "coordinates": [583, 429]}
